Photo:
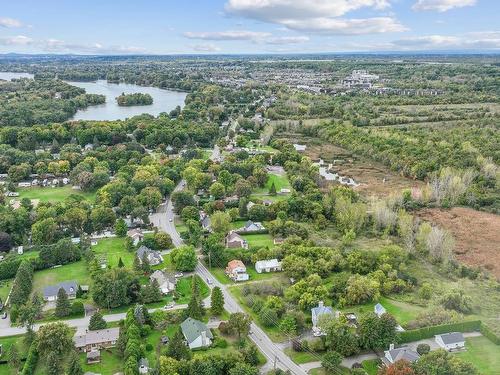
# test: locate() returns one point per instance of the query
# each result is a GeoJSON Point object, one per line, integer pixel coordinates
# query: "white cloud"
{"type": "Point", "coordinates": [442, 5]}
{"type": "Point", "coordinates": [317, 16]}
{"type": "Point", "coordinates": [10, 22]}
{"type": "Point", "coordinates": [205, 48]}
{"type": "Point", "coordinates": [485, 40]}
{"type": "Point", "coordinates": [251, 36]}
{"type": "Point", "coordinates": [60, 46]}
{"type": "Point", "coordinates": [227, 35]}
{"type": "Point", "coordinates": [276, 10]}
{"type": "Point", "coordinates": [19, 40]}
{"type": "Point", "coordinates": [342, 26]}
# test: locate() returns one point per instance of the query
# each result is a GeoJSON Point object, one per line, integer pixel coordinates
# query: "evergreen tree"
{"type": "Point", "coordinates": [177, 348]}
{"type": "Point", "coordinates": [272, 189]}
{"type": "Point", "coordinates": [74, 365]}
{"type": "Point", "coordinates": [63, 306]}
{"type": "Point", "coordinates": [97, 322]}
{"type": "Point", "coordinates": [120, 263]}
{"type": "Point", "coordinates": [14, 359]}
{"type": "Point", "coordinates": [137, 264]}
{"type": "Point", "coordinates": [146, 268]}
{"type": "Point", "coordinates": [121, 228]}
{"type": "Point", "coordinates": [217, 301]}
{"type": "Point", "coordinates": [194, 310]}
{"type": "Point", "coordinates": [129, 244]}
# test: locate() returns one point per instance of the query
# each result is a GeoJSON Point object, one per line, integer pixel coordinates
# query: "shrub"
{"type": "Point", "coordinates": [429, 332]}
{"type": "Point", "coordinates": [489, 334]}
{"type": "Point", "coordinates": [423, 349]}
{"type": "Point", "coordinates": [317, 345]}
{"type": "Point", "coordinates": [220, 343]}
{"type": "Point", "coordinates": [77, 308]}
{"type": "Point", "coordinates": [149, 347]}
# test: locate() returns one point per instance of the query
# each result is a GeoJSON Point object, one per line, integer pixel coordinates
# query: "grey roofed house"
{"type": "Point", "coordinates": [316, 313]}
{"type": "Point", "coordinates": [194, 331]}
{"type": "Point", "coordinates": [379, 309]}
{"type": "Point", "coordinates": [450, 341]}
{"type": "Point", "coordinates": [98, 339]}
{"type": "Point", "coordinates": [395, 354]}
{"type": "Point", "coordinates": [154, 257]}
{"type": "Point", "coordinates": [50, 292]}
{"type": "Point", "coordinates": [165, 280]}
{"type": "Point", "coordinates": [250, 226]}
{"type": "Point", "coordinates": [205, 221]}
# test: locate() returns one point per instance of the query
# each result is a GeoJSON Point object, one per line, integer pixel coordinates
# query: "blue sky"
{"type": "Point", "coordinates": [247, 26]}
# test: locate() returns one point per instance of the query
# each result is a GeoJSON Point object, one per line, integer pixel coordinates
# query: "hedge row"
{"type": "Point", "coordinates": [489, 334]}
{"type": "Point", "coordinates": [429, 332]}
{"type": "Point", "coordinates": [31, 361]}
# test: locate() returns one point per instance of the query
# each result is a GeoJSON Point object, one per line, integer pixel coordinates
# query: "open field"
{"type": "Point", "coordinates": [259, 240]}
{"type": "Point", "coordinates": [479, 249]}
{"type": "Point", "coordinates": [483, 354]}
{"type": "Point", "coordinates": [370, 366]}
{"type": "Point", "coordinates": [113, 249]}
{"type": "Point", "coordinates": [74, 271]}
{"type": "Point", "coordinates": [56, 194]}
{"type": "Point", "coordinates": [280, 182]}
{"type": "Point", "coordinates": [219, 274]}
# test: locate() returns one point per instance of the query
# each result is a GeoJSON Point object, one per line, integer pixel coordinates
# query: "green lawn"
{"type": "Point", "coordinates": [183, 289]}
{"type": "Point", "coordinates": [110, 363]}
{"type": "Point", "coordinates": [280, 182]}
{"type": "Point", "coordinates": [114, 249]}
{"type": "Point", "coordinates": [237, 224]}
{"type": "Point", "coordinates": [5, 286]}
{"type": "Point", "coordinates": [259, 240]}
{"type": "Point", "coordinates": [75, 271]}
{"type": "Point", "coordinates": [56, 194]}
{"type": "Point", "coordinates": [220, 275]}
{"type": "Point", "coordinates": [322, 371]}
{"type": "Point", "coordinates": [370, 366]}
{"type": "Point", "coordinates": [403, 312]}
{"type": "Point", "coordinates": [303, 357]}
{"type": "Point", "coordinates": [484, 354]}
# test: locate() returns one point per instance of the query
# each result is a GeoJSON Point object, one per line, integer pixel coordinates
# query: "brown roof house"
{"type": "Point", "coordinates": [235, 241]}
{"type": "Point", "coordinates": [237, 271]}
{"type": "Point", "coordinates": [96, 340]}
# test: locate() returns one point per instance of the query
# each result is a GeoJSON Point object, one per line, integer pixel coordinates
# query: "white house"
{"type": "Point", "coordinates": [450, 341]}
{"type": "Point", "coordinates": [20, 250]}
{"type": "Point", "coordinates": [136, 235]}
{"type": "Point", "coordinates": [237, 271]}
{"type": "Point", "coordinates": [270, 265]}
{"type": "Point", "coordinates": [299, 148]}
{"type": "Point", "coordinates": [165, 281]}
{"type": "Point", "coordinates": [24, 184]}
{"type": "Point", "coordinates": [196, 333]}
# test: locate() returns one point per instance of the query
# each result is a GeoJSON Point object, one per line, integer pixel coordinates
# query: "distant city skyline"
{"type": "Point", "coordinates": [248, 26]}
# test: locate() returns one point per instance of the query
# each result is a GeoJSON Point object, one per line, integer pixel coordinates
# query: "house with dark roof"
{"type": "Point", "coordinates": [450, 341]}
{"type": "Point", "coordinates": [205, 221]}
{"type": "Point", "coordinates": [165, 281]}
{"type": "Point", "coordinates": [70, 287]}
{"type": "Point", "coordinates": [379, 310]}
{"type": "Point", "coordinates": [96, 340]}
{"type": "Point", "coordinates": [251, 226]}
{"type": "Point", "coordinates": [234, 240]}
{"type": "Point", "coordinates": [395, 354]}
{"type": "Point", "coordinates": [154, 257]}
{"type": "Point", "coordinates": [196, 333]}
{"type": "Point", "coordinates": [316, 313]}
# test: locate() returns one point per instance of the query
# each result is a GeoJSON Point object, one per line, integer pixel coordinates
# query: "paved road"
{"type": "Point", "coordinates": [274, 354]}
{"type": "Point", "coordinates": [81, 324]}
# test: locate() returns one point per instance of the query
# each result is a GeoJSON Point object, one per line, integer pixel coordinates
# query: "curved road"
{"type": "Point", "coordinates": [164, 219]}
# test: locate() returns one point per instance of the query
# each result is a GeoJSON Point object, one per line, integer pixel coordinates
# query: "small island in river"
{"type": "Point", "coordinates": [128, 100]}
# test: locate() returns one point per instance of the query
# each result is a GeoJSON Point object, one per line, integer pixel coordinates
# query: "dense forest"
{"type": "Point", "coordinates": [127, 100]}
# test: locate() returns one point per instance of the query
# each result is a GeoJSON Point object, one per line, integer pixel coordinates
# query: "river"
{"type": "Point", "coordinates": [163, 100]}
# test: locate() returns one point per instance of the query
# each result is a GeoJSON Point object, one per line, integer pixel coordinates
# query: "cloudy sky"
{"type": "Point", "coordinates": [247, 26]}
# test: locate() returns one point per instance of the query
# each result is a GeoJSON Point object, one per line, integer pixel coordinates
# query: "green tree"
{"type": "Point", "coordinates": [217, 301]}
{"type": "Point", "coordinates": [74, 365]}
{"type": "Point", "coordinates": [63, 306]}
{"type": "Point", "coordinates": [243, 369]}
{"type": "Point", "coordinates": [272, 189]}
{"type": "Point", "coordinates": [177, 348]}
{"type": "Point", "coordinates": [239, 323]}
{"type": "Point", "coordinates": [376, 333]}
{"type": "Point", "coordinates": [163, 240]}
{"type": "Point", "coordinates": [54, 340]}
{"type": "Point", "coordinates": [120, 228]}
{"type": "Point", "coordinates": [97, 322]}
{"type": "Point", "coordinates": [331, 361]}
{"type": "Point", "coordinates": [440, 362]}
{"type": "Point", "coordinates": [220, 222]}
{"type": "Point", "coordinates": [13, 358]}
{"type": "Point", "coordinates": [217, 190]}
{"type": "Point", "coordinates": [184, 258]}
{"type": "Point", "coordinates": [120, 263]}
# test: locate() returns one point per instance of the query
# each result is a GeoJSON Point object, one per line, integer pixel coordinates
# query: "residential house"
{"type": "Point", "coordinates": [154, 257]}
{"type": "Point", "coordinates": [24, 184]}
{"type": "Point", "coordinates": [379, 310]}
{"type": "Point", "coordinates": [250, 227]}
{"type": "Point", "coordinates": [285, 191]}
{"type": "Point", "coordinates": [451, 341]}
{"type": "Point", "coordinates": [166, 281]}
{"type": "Point", "coordinates": [96, 340]}
{"type": "Point", "coordinates": [231, 199]}
{"type": "Point", "coordinates": [270, 265]}
{"type": "Point", "coordinates": [136, 235]}
{"type": "Point", "coordinates": [237, 271]}
{"type": "Point", "coordinates": [234, 240]}
{"type": "Point", "coordinates": [316, 313]}
{"type": "Point", "coordinates": [50, 292]}
{"type": "Point", "coordinates": [20, 250]}
{"type": "Point", "coordinates": [143, 366]}
{"type": "Point", "coordinates": [299, 148]}
{"type": "Point", "coordinates": [205, 221]}
{"type": "Point", "coordinates": [196, 333]}
{"type": "Point", "coordinates": [395, 354]}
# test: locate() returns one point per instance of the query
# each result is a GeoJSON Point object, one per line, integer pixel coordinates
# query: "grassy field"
{"type": "Point", "coordinates": [110, 363]}
{"type": "Point", "coordinates": [219, 274]}
{"type": "Point", "coordinates": [56, 194]}
{"type": "Point", "coordinates": [322, 371]}
{"type": "Point", "coordinates": [75, 271]}
{"type": "Point", "coordinates": [258, 240]}
{"type": "Point", "coordinates": [114, 249]}
{"type": "Point", "coordinates": [183, 289]}
{"type": "Point", "coordinates": [5, 289]}
{"type": "Point", "coordinates": [280, 182]}
{"type": "Point", "coordinates": [303, 357]}
{"type": "Point", "coordinates": [484, 354]}
{"type": "Point", "coordinates": [370, 366]}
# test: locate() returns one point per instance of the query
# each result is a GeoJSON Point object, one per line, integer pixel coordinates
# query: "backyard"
{"type": "Point", "coordinates": [74, 271]}
{"type": "Point", "coordinates": [53, 194]}
{"type": "Point", "coordinates": [258, 240]}
{"type": "Point", "coordinates": [484, 354]}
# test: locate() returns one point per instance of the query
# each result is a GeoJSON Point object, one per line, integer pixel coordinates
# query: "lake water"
{"type": "Point", "coordinates": [7, 76]}
{"type": "Point", "coordinates": [163, 101]}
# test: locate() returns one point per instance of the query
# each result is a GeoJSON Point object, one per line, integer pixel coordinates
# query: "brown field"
{"type": "Point", "coordinates": [476, 233]}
